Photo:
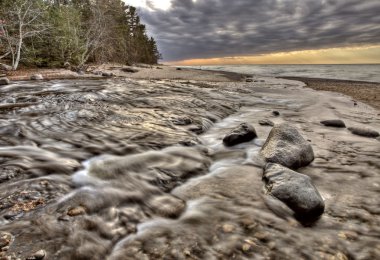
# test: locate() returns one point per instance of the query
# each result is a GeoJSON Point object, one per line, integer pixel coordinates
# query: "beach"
{"type": "Point", "coordinates": [367, 92]}
{"type": "Point", "coordinates": [133, 163]}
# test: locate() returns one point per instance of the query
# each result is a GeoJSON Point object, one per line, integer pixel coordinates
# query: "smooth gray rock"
{"type": "Point", "coordinates": [107, 74]}
{"type": "Point", "coordinates": [295, 190]}
{"type": "Point", "coordinates": [287, 147]}
{"type": "Point", "coordinates": [334, 123]}
{"type": "Point", "coordinates": [36, 77]}
{"type": "Point", "coordinates": [266, 122]}
{"type": "Point", "coordinates": [4, 81]}
{"type": "Point", "coordinates": [243, 133]}
{"type": "Point", "coordinates": [364, 132]}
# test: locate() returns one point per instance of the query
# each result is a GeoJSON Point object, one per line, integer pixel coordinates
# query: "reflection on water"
{"type": "Point", "coordinates": [119, 169]}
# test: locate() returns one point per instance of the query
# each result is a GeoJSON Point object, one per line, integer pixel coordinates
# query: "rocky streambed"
{"type": "Point", "coordinates": [138, 169]}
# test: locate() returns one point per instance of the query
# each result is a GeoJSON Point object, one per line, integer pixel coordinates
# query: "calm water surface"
{"type": "Point", "coordinates": [348, 72]}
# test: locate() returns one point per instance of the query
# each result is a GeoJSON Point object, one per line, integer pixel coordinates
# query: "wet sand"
{"type": "Point", "coordinates": [367, 92]}
{"type": "Point", "coordinates": [123, 168]}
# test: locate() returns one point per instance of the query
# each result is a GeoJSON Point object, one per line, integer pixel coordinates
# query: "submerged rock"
{"type": "Point", "coordinates": [334, 123]}
{"type": "Point", "coordinates": [287, 147]}
{"type": "Point", "coordinates": [243, 133]}
{"type": "Point", "coordinates": [295, 190]}
{"type": "Point", "coordinates": [36, 77]}
{"type": "Point", "coordinates": [364, 132]}
{"type": "Point", "coordinates": [266, 122]}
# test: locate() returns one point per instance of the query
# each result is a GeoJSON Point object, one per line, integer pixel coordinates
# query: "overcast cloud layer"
{"type": "Point", "coordinates": [220, 28]}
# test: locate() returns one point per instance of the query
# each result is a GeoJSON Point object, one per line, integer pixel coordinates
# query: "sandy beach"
{"type": "Point", "coordinates": [137, 166]}
{"type": "Point", "coordinates": [367, 92]}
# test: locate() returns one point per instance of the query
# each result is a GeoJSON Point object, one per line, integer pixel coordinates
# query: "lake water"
{"type": "Point", "coordinates": [369, 73]}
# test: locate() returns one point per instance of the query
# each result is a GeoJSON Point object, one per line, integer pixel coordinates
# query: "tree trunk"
{"type": "Point", "coordinates": [18, 50]}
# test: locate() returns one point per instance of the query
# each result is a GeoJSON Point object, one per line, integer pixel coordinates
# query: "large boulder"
{"type": "Point", "coordinates": [4, 81]}
{"type": "Point", "coordinates": [295, 190]}
{"type": "Point", "coordinates": [243, 133]}
{"type": "Point", "coordinates": [287, 147]}
{"type": "Point", "coordinates": [334, 123]}
{"type": "Point", "coordinates": [364, 132]}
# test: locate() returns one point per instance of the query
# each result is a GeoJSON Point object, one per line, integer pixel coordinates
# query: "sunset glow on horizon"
{"type": "Point", "coordinates": [345, 55]}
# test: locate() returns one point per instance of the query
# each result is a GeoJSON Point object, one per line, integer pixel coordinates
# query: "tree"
{"type": "Point", "coordinates": [21, 19]}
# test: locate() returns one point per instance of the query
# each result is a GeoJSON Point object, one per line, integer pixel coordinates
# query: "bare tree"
{"type": "Point", "coordinates": [94, 33]}
{"type": "Point", "coordinates": [21, 19]}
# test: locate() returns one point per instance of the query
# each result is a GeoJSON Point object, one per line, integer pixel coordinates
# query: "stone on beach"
{"type": "Point", "coordinates": [275, 113]}
{"type": "Point", "coordinates": [334, 123]}
{"type": "Point", "coordinates": [40, 254]}
{"type": "Point", "coordinates": [130, 70]}
{"type": "Point", "coordinates": [243, 133]}
{"type": "Point", "coordinates": [36, 77]}
{"type": "Point", "coordinates": [266, 122]}
{"type": "Point", "coordinates": [287, 147]}
{"type": "Point", "coordinates": [4, 81]}
{"type": "Point", "coordinates": [364, 132]}
{"type": "Point", "coordinates": [295, 190]}
{"type": "Point", "coordinates": [107, 74]}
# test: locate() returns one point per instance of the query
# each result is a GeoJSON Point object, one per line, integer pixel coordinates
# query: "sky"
{"type": "Point", "coordinates": [201, 32]}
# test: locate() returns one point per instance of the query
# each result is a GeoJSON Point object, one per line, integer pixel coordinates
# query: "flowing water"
{"type": "Point", "coordinates": [122, 169]}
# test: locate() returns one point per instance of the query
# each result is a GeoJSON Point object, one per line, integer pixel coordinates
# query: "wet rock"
{"type": "Point", "coordinates": [334, 123]}
{"type": "Point", "coordinates": [287, 147]}
{"type": "Point", "coordinates": [295, 190]}
{"type": "Point", "coordinates": [364, 132]}
{"type": "Point", "coordinates": [107, 74]}
{"type": "Point", "coordinates": [36, 77]}
{"type": "Point", "coordinates": [4, 81]}
{"type": "Point", "coordinates": [40, 254]}
{"type": "Point", "coordinates": [275, 113]}
{"type": "Point", "coordinates": [249, 80]}
{"type": "Point", "coordinates": [243, 133]}
{"type": "Point", "coordinates": [266, 122]}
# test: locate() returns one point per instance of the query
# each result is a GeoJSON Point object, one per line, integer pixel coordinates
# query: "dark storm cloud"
{"type": "Point", "coordinates": [218, 28]}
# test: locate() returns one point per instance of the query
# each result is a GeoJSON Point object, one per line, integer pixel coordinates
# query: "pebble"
{"type": "Point", "coordinates": [76, 211]}
{"type": "Point", "coordinates": [228, 228]}
{"type": "Point", "coordinates": [40, 254]}
{"type": "Point", "coordinates": [266, 122]}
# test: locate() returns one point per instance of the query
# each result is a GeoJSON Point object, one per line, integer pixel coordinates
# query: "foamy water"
{"type": "Point", "coordinates": [369, 73]}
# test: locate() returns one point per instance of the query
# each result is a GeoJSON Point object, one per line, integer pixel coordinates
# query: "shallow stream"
{"type": "Point", "coordinates": [123, 169]}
